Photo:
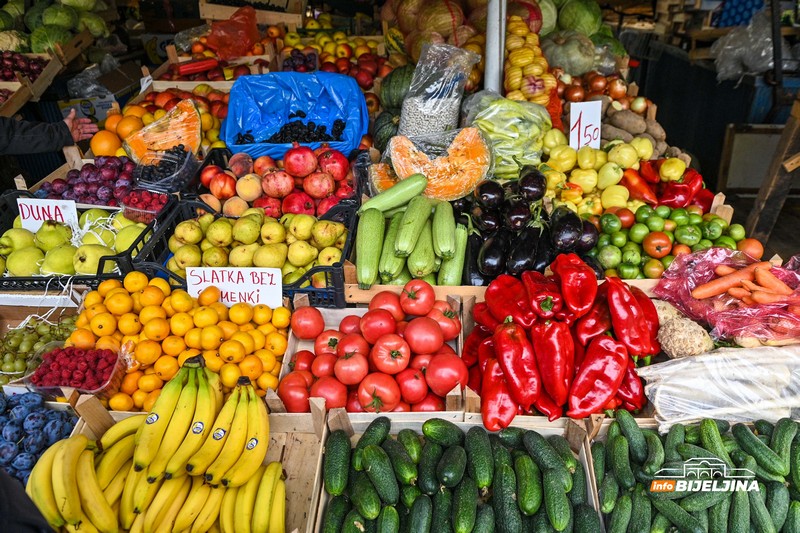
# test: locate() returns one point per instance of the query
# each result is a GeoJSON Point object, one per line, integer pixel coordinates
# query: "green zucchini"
{"type": "Point", "coordinates": [451, 466]}
{"type": "Point", "coordinates": [403, 278]}
{"type": "Point", "coordinates": [655, 454]}
{"type": "Point", "coordinates": [444, 230]}
{"type": "Point", "coordinates": [777, 503]}
{"type": "Point", "coordinates": [579, 486]}
{"type": "Point", "coordinates": [599, 460]}
{"type": "Point", "coordinates": [712, 440]}
{"type": "Point", "coordinates": [609, 492]}
{"type": "Point", "coordinates": [388, 520]}
{"type": "Point", "coordinates": [411, 442]}
{"type": "Point", "coordinates": [365, 497]}
{"type": "Point", "coordinates": [782, 438]}
{"type": "Point", "coordinates": [421, 515]}
{"type": "Point", "coordinates": [718, 515]}
{"type": "Point", "coordinates": [621, 516]}
{"type": "Point", "coordinates": [335, 512]}
{"type": "Point", "coordinates": [634, 434]}
{"type": "Point", "coordinates": [451, 270]}
{"type": "Point", "coordinates": [442, 509]}
{"type": "Point", "coordinates": [409, 493]}
{"type": "Point", "coordinates": [484, 522]}
{"type": "Point", "coordinates": [376, 433]}
{"type": "Point", "coordinates": [465, 506]}
{"type": "Point", "coordinates": [792, 524]}
{"type": "Point", "coordinates": [398, 194]}
{"type": "Point", "coordinates": [586, 519]}
{"type": "Point", "coordinates": [763, 427]}
{"type": "Point", "coordinates": [369, 238]}
{"type": "Point", "coordinates": [759, 514]}
{"type": "Point", "coordinates": [430, 279]}
{"type": "Point", "coordinates": [675, 436]}
{"type": "Point", "coordinates": [421, 261]}
{"type": "Point", "coordinates": [392, 212]}
{"type": "Point", "coordinates": [561, 446]}
{"type": "Point", "coordinates": [641, 512]}
{"type": "Point", "coordinates": [379, 470]}
{"type": "Point", "coordinates": [354, 522]}
{"type": "Point", "coordinates": [680, 518]}
{"type": "Point", "coordinates": [764, 456]}
{"type": "Point", "coordinates": [414, 220]}
{"type": "Point", "coordinates": [547, 458]}
{"type": "Point", "coordinates": [336, 463]}
{"type": "Point", "coordinates": [556, 501]}
{"type": "Point", "coordinates": [479, 457]}
{"type": "Point", "coordinates": [507, 516]}
{"type": "Point", "coordinates": [442, 432]}
{"type": "Point", "coordinates": [428, 461]}
{"type": "Point", "coordinates": [620, 462]}
{"type": "Point", "coordinates": [390, 266]}
{"type": "Point", "coordinates": [529, 484]}
{"type": "Point", "coordinates": [739, 518]}
{"type": "Point", "coordinates": [404, 468]}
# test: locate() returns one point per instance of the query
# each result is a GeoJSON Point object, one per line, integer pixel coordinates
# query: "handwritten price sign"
{"type": "Point", "coordinates": [34, 211]}
{"type": "Point", "coordinates": [584, 124]}
{"type": "Point", "coordinates": [251, 285]}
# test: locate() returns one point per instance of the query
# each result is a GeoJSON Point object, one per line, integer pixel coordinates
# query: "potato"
{"type": "Point", "coordinates": [610, 132]}
{"type": "Point", "coordinates": [655, 130]}
{"type": "Point", "coordinates": [672, 151]}
{"type": "Point", "coordinates": [628, 121]}
{"type": "Point", "coordinates": [660, 148]}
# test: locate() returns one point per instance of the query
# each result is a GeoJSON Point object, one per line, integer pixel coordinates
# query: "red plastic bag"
{"type": "Point", "coordinates": [236, 36]}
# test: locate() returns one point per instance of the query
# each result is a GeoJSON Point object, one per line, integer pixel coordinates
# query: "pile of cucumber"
{"type": "Point", "coordinates": [446, 481]}
{"type": "Point", "coordinates": [626, 464]}
{"type": "Point", "coordinates": [403, 235]}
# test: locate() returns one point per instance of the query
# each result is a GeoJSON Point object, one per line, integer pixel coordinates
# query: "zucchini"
{"type": "Point", "coordinates": [621, 516]}
{"type": "Point", "coordinates": [508, 519]}
{"type": "Point", "coordinates": [411, 442]}
{"type": "Point", "coordinates": [777, 503]}
{"type": "Point", "coordinates": [451, 270]}
{"type": "Point", "coordinates": [641, 511]}
{"type": "Point", "coordinates": [759, 514]}
{"type": "Point", "coordinates": [369, 238]}
{"type": "Point", "coordinates": [556, 501]}
{"type": "Point", "coordinates": [764, 456]}
{"type": "Point", "coordinates": [414, 220]}
{"type": "Point", "coordinates": [365, 497]}
{"type": "Point", "coordinates": [792, 524]}
{"type": "Point", "coordinates": [421, 261]}
{"type": "Point", "coordinates": [465, 506]}
{"type": "Point", "coordinates": [404, 468]}
{"type": "Point", "coordinates": [376, 433]}
{"type": "Point", "coordinates": [579, 486]}
{"type": "Point", "coordinates": [700, 501]}
{"type": "Point", "coordinates": [428, 461]}
{"type": "Point", "coordinates": [680, 518]}
{"type": "Point", "coordinates": [398, 194]}
{"type": "Point", "coordinates": [634, 434]}
{"type": "Point", "coordinates": [512, 437]}
{"type": "Point", "coordinates": [421, 515]}
{"type": "Point", "coordinates": [609, 492]}
{"type": "Point", "coordinates": [561, 446]}
{"type": "Point", "coordinates": [586, 519]}
{"type": "Point", "coordinates": [764, 427]}
{"type": "Point", "coordinates": [403, 278]}
{"type": "Point", "coordinates": [739, 519]}
{"type": "Point", "coordinates": [444, 230]}
{"type": "Point", "coordinates": [661, 524]}
{"type": "Point", "coordinates": [484, 522]}
{"type": "Point", "coordinates": [479, 457]}
{"type": "Point", "coordinates": [675, 436]}
{"type": "Point", "coordinates": [379, 470]}
{"type": "Point", "coordinates": [529, 484]}
{"type": "Point", "coordinates": [389, 265]}
{"type": "Point", "coordinates": [335, 512]}
{"type": "Point", "coordinates": [392, 212]}
{"type": "Point", "coordinates": [409, 493]}
{"type": "Point", "coordinates": [442, 432]}
{"type": "Point", "coordinates": [599, 460]}
{"type": "Point", "coordinates": [354, 522]}
{"type": "Point", "coordinates": [782, 438]}
{"type": "Point", "coordinates": [451, 466]}
{"type": "Point", "coordinates": [388, 520]}
{"type": "Point", "coordinates": [655, 454]}
{"type": "Point", "coordinates": [620, 462]}
{"type": "Point", "coordinates": [336, 463]}
{"type": "Point", "coordinates": [718, 515]}
{"type": "Point", "coordinates": [442, 509]}
{"type": "Point", "coordinates": [547, 458]}
{"type": "Point", "coordinates": [712, 440]}
{"type": "Point", "coordinates": [430, 279]}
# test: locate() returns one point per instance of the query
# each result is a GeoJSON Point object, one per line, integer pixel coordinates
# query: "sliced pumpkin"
{"type": "Point", "coordinates": [381, 177]}
{"type": "Point", "coordinates": [181, 125]}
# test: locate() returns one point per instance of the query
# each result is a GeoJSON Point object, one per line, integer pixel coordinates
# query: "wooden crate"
{"type": "Point", "coordinates": [46, 78]}
{"type": "Point", "coordinates": [292, 18]}
{"type": "Point", "coordinates": [21, 94]}
{"type": "Point", "coordinates": [69, 52]}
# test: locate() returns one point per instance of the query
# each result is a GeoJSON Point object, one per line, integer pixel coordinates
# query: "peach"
{"type": "Point", "coordinates": [263, 164]}
{"type": "Point", "coordinates": [211, 201]}
{"type": "Point", "coordinates": [234, 206]}
{"type": "Point", "coordinates": [241, 164]}
{"type": "Point", "coordinates": [248, 187]}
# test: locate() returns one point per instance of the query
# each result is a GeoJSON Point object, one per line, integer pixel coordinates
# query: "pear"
{"type": "Point", "coordinates": [91, 216]}
{"type": "Point", "coordinates": [188, 255]}
{"type": "Point", "coordinates": [220, 233]}
{"type": "Point", "coordinates": [59, 260]}
{"type": "Point", "coordinates": [324, 233]}
{"type": "Point", "coordinates": [205, 245]}
{"type": "Point", "coordinates": [287, 219]}
{"type": "Point", "coordinates": [51, 234]}
{"type": "Point", "coordinates": [15, 239]}
{"type": "Point", "coordinates": [340, 242]}
{"type": "Point", "coordinates": [205, 221]}
{"type": "Point", "coordinates": [287, 268]}
{"type": "Point", "coordinates": [330, 255]}
{"type": "Point", "coordinates": [247, 229]}
{"type": "Point", "coordinates": [290, 238]}
{"type": "Point", "coordinates": [301, 225]}
{"type": "Point", "coordinates": [173, 267]}
{"type": "Point", "coordinates": [257, 212]}
{"type": "Point", "coordinates": [273, 232]}
{"type": "Point", "coordinates": [301, 253]}
{"type": "Point", "coordinates": [87, 259]}
{"type": "Point", "coordinates": [215, 257]}
{"type": "Point", "coordinates": [242, 256]}
{"type": "Point", "coordinates": [128, 235]}
{"type": "Point", "coordinates": [270, 255]}
{"type": "Point", "coordinates": [118, 221]}
{"type": "Point", "coordinates": [25, 262]}
{"type": "Point", "coordinates": [294, 276]}
{"type": "Point", "coordinates": [189, 232]}
{"type": "Point", "coordinates": [100, 235]}
{"type": "Point", "coordinates": [17, 222]}
{"type": "Point", "coordinates": [173, 244]}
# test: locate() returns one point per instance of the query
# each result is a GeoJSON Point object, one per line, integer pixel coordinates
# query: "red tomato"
{"type": "Point", "coordinates": [332, 390]}
{"type": "Point", "coordinates": [401, 327]}
{"type": "Point", "coordinates": [442, 306]}
{"type": "Point", "coordinates": [390, 354]}
{"type": "Point", "coordinates": [657, 244]}
{"type": "Point", "coordinates": [424, 335]}
{"type": "Point", "coordinates": [431, 402]}
{"type": "Point", "coordinates": [350, 324]}
{"type": "Point", "coordinates": [353, 405]}
{"type": "Point", "coordinates": [626, 216]}
{"type": "Point", "coordinates": [446, 348]}
{"type": "Point", "coordinates": [389, 301]}
{"type": "Point", "coordinates": [327, 341]}
{"type": "Point", "coordinates": [301, 377]}
{"type": "Point", "coordinates": [751, 247]}
{"type": "Point", "coordinates": [323, 365]}
{"type": "Point", "coordinates": [293, 392]}
{"type": "Point", "coordinates": [302, 360]}
{"type": "Point", "coordinates": [413, 387]}
{"type": "Point", "coordinates": [350, 369]}
{"type": "Point", "coordinates": [444, 372]}
{"type": "Point", "coordinates": [421, 361]}
{"type": "Point", "coordinates": [448, 321]}
{"type": "Point", "coordinates": [352, 343]}
{"type": "Point", "coordinates": [417, 297]}
{"type": "Point", "coordinates": [378, 393]}
{"type": "Point", "coordinates": [402, 407]}
{"type": "Point", "coordinates": [307, 322]}
{"type": "Point", "coordinates": [376, 323]}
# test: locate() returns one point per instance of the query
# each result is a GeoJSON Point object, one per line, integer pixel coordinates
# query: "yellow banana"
{"type": "Point", "coordinates": [93, 502]}
{"type": "Point", "coordinates": [178, 427]}
{"type": "Point", "coordinates": [210, 449]}
{"type": "Point", "coordinates": [65, 481]}
{"type": "Point", "coordinates": [167, 518]}
{"type": "Point", "coordinates": [277, 518]}
{"type": "Point", "coordinates": [120, 430]}
{"type": "Point", "coordinates": [40, 486]}
{"type": "Point", "coordinates": [266, 491]}
{"type": "Point", "coordinates": [85, 526]}
{"type": "Point", "coordinates": [138, 524]}
{"type": "Point", "coordinates": [197, 499]}
{"type": "Point", "coordinates": [145, 493]}
{"type": "Point", "coordinates": [237, 438]}
{"type": "Point", "coordinates": [215, 385]}
{"type": "Point", "coordinates": [127, 513]}
{"type": "Point", "coordinates": [245, 500]}
{"type": "Point", "coordinates": [227, 509]}
{"type": "Point", "coordinates": [204, 414]}
{"type": "Point", "coordinates": [255, 449]}
{"type": "Point", "coordinates": [151, 433]}
{"type": "Point", "coordinates": [112, 460]}
{"type": "Point", "coordinates": [210, 511]}
{"type": "Point", "coordinates": [113, 491]}
{"type": "Point", "coordinates": [215, 528]}
{"type": "Point", "coordinates": [160, 505]}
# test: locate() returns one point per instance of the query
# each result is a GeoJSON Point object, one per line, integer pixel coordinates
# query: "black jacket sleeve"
{"type": "Point", "coordinates": [19, 137]}
{"type": "Point", "coordinates": [17, 512]}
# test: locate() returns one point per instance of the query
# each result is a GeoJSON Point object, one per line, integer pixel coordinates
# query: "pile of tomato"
{"type": "Point", "coordinates": [396, 357]}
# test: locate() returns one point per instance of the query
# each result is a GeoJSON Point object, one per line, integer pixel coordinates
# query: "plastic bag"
{"type": "Point", "coordinates": [515, 129]}
{"type": "Point", "coordinates": [262, 104]}
{"type": "Point", "coordinates": [235, 36]}
{"type": "Point", "coordinates": [735, 384]}
{"type": "Point", "coordinates": [434, 97]}
{"type": "Point", "coordinates": [748, 325]}
{"type": "Point", "coordinates": [184, 39]}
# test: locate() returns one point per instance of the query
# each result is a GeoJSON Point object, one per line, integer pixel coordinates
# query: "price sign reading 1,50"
{"type": "Point", "coordinates": [584, 128]}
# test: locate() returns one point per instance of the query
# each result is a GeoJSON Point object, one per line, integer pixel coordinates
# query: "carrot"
{"type": "Point", "coordinates": [752, 286]}
{"type": "Point", "coordinates": [763, 297]}
{"type": "Point", "coordinates": [738, 292]}
{"type": "Point", "coordinates": [724, 270]}
{"type": "Point", "coordinates": [722, 284]}
{"type": "Point", "coordinates": [748, 300]}
{"type": "Point", "coordinates": [770, 281]}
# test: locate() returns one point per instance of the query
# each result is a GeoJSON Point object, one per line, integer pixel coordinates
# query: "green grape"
{"type": "Point", "coordinates": [20, 365]}
{"type": "Point", "coordinates": [7, 367]}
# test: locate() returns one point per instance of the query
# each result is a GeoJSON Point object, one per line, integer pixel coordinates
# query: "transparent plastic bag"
{"type": "Point", "coordinates": [434, 97]}
{"type": "Point", "coordinates": [184, 39]}
{"type": "Point", "coordinates": [734, 384]}
{"type": "Point", "coordinates": [747, 49]}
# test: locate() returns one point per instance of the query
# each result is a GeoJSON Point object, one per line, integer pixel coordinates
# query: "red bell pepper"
{"type": "Point", "coordinates": [555, 357]}
{"type": "Point", "coordinates": [475, 376]}
{"type": "Point", "coordinates": [597, 321]}
{"type": "Point", "coordinates": [580, 352]}
{"type": "Point", "coordinates": [566, 316]}
{"type": "Point", "coordinates": [650, 318]}
{"type": "Point", "coordinates": [469, 353]}
{"type": "Point", "coordinates": [498, 409]}
{"type": "Point", "coordinates": [598, 379]}
{"type": "Point", "coordinates": [484, 317]}
{"type": "Point", "coordinates": [649, 170]}
{"type": "Point", "coordinates": [628, 319]}
{"type": "Point", "coordinates": [545, 405]}
{"type": "Point", "coordinates": [555, 109]}
{"type": "Point", "coordinates": [196, 66]}
{"type": "Point", "coordinates": [506, 297]}
{"type": "Point", "coordinates": [638, 187]}
{"type": "Point", "coordinates": [516, 357]}
{"type": "Point", "coordinates": [543, 293]}
{"type": "Point", "coordinates": [612, 404]}
{"type": "Point", "coordinates": [631, 390]}
{"type": "Point", "coordinates": [681, 193]}
{"type": "Point", "coordinates": [704, 198]}
{"type": "Point", "coordinates": [578, 283]}
{"type": "Point", "coordinates": [485, 352]}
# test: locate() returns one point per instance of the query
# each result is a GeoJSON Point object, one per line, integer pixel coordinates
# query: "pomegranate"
{"type": "Point", "coordinates": [299, 161]}
{"type": "Point", "coordinates": [324, 147]}
{"type": "Point", "coordinates": [343, 191]}
{"type": "Point", "coordinates": [325, 204]}
{"type": "Point", "coordinates": [277, 184]}
{"type": "Point", "coordinates": [272, 206]}
{"type": "Point", "coordinates": [319, 184]}
{"type": "Point", "coordinates": [334, 163]}
{"type": "Point", "coordinates": [298, 203]}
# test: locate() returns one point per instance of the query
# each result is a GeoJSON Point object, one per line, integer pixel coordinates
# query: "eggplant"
{"type": "Point", "coordinates": [511, 189]}
{"type": "Point", "coordinates": [486, 220]}
{"type": "Point", "coordinates": [516, 214]}
{"type": "Point", "coordinates": [462, 205]}
{"type": "Point", "coordinates": [490, 194]}
{"type": "Point", "coordinates": [545, 253]}
{"type": "Point", "coordinates": [595, 264]}
{"type": "Point", "coordinates": [588, 238]}
{"type": "Point", "coordinates": [493, 252]}
{"type": "Point", "coordinates": [565, 228]}
{"type": "Point", "coordinates": [532, 183]}
{"type": "Point", "coordinates": [471, 276]}
{"type": "Point", "coordinates": [522, 255]}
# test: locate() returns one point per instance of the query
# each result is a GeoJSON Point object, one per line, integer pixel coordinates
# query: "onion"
{"type": "Point", "coordinates": [560, 86]}
{"type": "Point", "coordinates": [597, 83]}
{"type": "Point", "coordinates": [577, 80]}
{"type": "Point", "coordinates": [625, 102]}
{"type": "Point", "coordinates": [617, 89]}
{"type": "Point", "coordinates": [639, 105]}
{"type": "Point", "coordinates": [574, 93]}
{"type": "Point", "coordinates": [594, 95]}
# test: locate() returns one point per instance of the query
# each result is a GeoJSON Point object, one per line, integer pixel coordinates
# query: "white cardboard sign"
{"type": "Point", "coordinates": [584, 124]}
{"type": "Point", "coordinates": [34, 211]}
{"type": "Point", "coordinates": [250, 285]}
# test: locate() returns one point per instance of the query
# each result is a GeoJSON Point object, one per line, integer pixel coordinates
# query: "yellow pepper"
{"type": "Point", "coordinates": [633, 205]}
{"type": "Point", "coordinates": [554, 137]}
{"type": "Point", "coordinates": [643, 147]}
{"type": "Point", "coordinates": [554, 178]}
{"type": "Point", "coordinates": [517, 27]}
{"type": "Point", "coordinates": [568, 204]}
{"type": "Point", "coordinates": [533, 38]}
{"type": "Point", "coordinates": [609, 174]}
{"type": "Point", "coordinates": [624, 155]}
{"type": "Point", "coordinates": [562, 157]}
{"type": "Point", "coordinates": [570, 192]}
{"type": "Point", "coordinates": [600, 159]}
{"type": "Point", "coordinates": [586, 179]}
{"type": "Point", "coordinates": [672, 169]}
{"type": "Point", "coordinates": [516, 95]}
{"type": "Point", "coordinates": [587, 157]}
{"type": "Point", "coordinates": [590, 205]}
{"type": "Point", "coordinates": [615, 196]}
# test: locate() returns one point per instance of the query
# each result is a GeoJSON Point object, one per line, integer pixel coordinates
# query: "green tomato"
{"type": "Point", "coordinates": [671, 236]}
{"type": "Point", "coordinates": [655, 223]}
{"type": "Point", "coordinates": [619, 238]}
{"type": "Point", "coordinates": [703, 244]}
{"type": "Point", "coordinates": [609, 223]}
{"type": "Point", "coordinates": [711, 231]}
{"type": "Point", "coordinates": [631, 246]}
{"type": "Point", "coordinates": [720, 222]}
{"type": "Point", "coordinates": [725, 242]}
{"type": "Point", "coordinates": [653, 268]}
{"type": "Point", "coordinates": [603, 240]}
{"type": "Point", "coordinates": [643, 212]}
{"type": "Point", "coordinates": [663, 211]}
{"type": "Point", "coordinates": [667, 261]}
{"type": "Point", "coordinates": [628, 271]}
{"type": "Point", "coordinates": [593, 252]}
{"type": "Point", "coordinates": [638, 232]}
{"type": "Point", "coordinates": [736, 232]}
{"type": "Point", "coordinates": [695, 219]}
{"type": "Point", "coordinates": [680, 216]}
{"type": "Point", "coordinates": [631, 257]}
{"type": "Point", "coordinates": [609, 272]}
{"type": "Point", "coordinates": [688, 235]}
{"type": "Point", "coordinates": [609, 257]}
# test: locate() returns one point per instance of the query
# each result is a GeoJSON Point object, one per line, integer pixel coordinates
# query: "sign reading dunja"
{"type": "Point", "coordinates": [704, 475]}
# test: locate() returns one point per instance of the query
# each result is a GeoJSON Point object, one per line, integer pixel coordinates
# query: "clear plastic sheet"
{"type": "Point", "coordinates": [184, 39]}
{"type": "Point", "coordinates": [748, 325]}
{"type": "Point", "coordinates": [734, 384]}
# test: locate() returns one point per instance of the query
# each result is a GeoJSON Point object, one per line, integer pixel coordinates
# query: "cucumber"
{"type": "Point", "coordinates": [365, 497]}
{"type": "Point", "coordinates": [465, 506]}
{"type": "Point", "coordinates": [547, 458]}
{"type": "Point", "coordinates": [620, 462]}
{"type": "Point", "coordinates": [792, 524]}
{"type": "Point", "coordinates": [763, 427]}
{"type": "Point", "coordinates": [539, 522]}
{"type": "Point", "coordinates": [579, 486]}
{"type": "Point", "coordinates": [479, 457]}
{"type": "Point", "coordinates": [794, 461]}
{"type": "Point", "coordinates": [680, 518]}
{"type": "Point", "coordinates": [764, 456]}
{"type": "Point", "coordinates": [609, 492]}
{"type": "Point", "coordinates": [451, 270]}
{"type": "Point", "coordinates": [675, 436]}
{"type": "Point", "coordinates": [729, 443]}
{"type": "Point", "coordinates": [508, 519]}
{"type": "Point", "coordinates": [777, 503]}
{"type": "Point", "coordinates": [739, 518]}
{"type": "Point", "coordinates": [759, 514]}
{"type": "Point", "coordinates": [414, 219]}
{"type": "Point", "coordinates": [661, 524]}
{"type": "Point", "coordinates": [782, 438]}
{"type": "Point", "coordinates": [740, 458]}
{"type": "Point", "coordinates": [376, 433]}
{"type": "Point", "coordinates": [397, 195]}
{"type": "Point", "coordinates": [700, 501]}
{"type": "Point", "coordinates": [692, 435]}
{"type": "Point", "coordinates": [336, 510]}
{"type": "Point", "coordinates": [404, 468]}
{"type": "Point", "coordinates": [690, 451]}
{"type": "Point", "coordinates": [389, 265]}
{"type": "Point", "coordinates": [500, 454]}
{"type": "Point", "coordinates": [336, 463]}
{"type": "Point", "coordinates": [442, 432]}
{"type": "Point", "coordinates": [369, 238]}
{"type": "Point", "coordinates": [586, 519]}
{"type": "Point", "coordinates": [723, 425]}
{"type": "Point", "coordinates": [484, 522]}
{"type": "Point", "coordinates": [421, 515]}
{"type": "Point", "coordinates": [512, 437]}
{"type": "Point", "coordinates": [428, 460]}
{"type": "Point", "coordinates": [641, 512]}
{"type": "Point", "coordinates": [599, 460]}
{"type": "Point", "coordinates": [409, 493]}
{"type": "Point", "coordinates": [442, 509]}
{"type": "Point", "coordinates": [354, 522]}
{"type": "Point", "coordinates": [561, 446]}
{"type": "Point", "coordinates": [702, 518]}
{"type": "Point", "coordinates": [712, 440]}
{"type": "Point", "coordinates": [718, 516]}
{"type": "Point", "coordinates": [388, 520]}
{"type": "Point", "coordinates": [632, 432]}
{"type": "Point", "coordinates": [529, 484]}
{"type": "Point", "coordinates": [444, 230]}
{"type": "Point", "coordinates": [621, 516]}
{"type": "Point", "coordinates": [655, 454]}
{"type": "Point", "coordinates": [556, 501]}
{"type": "Point", "coordinates": [451, 466]}
{"type": "Point", "coordinates": [613, 431]}
{"type": "Point", "coordinates": [641, 476]}
{"type": "Point", "coordinates": [379, 470]}
{"type": "Point", "coordinates": [411, 442]}
{"type": "Point", "coordinates": [421, 261]}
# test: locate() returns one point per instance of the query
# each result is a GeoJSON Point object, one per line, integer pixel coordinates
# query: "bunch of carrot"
{"type": "Point", "coordinates": [753, 284]}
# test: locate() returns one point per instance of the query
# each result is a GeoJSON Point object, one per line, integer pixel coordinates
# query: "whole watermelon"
{"type": "Point", "coordinates": [395, 87]}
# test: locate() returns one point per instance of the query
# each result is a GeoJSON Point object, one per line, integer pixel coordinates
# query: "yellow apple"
{"type": "Point", "coordinates": [339, 36]}
{"type": "Point", "coordinates": [330, 48]}
{"type": "Point", "coordinates": [312, 24]}
{"type": "Point", "coordinates": [292, 39]}
{"type": "Point", "coordinates": [361, 50]}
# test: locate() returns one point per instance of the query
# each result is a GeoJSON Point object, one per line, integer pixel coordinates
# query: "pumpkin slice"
{"type": "Point", "coordinates": [406, 158]}
{"type": "Point", "coordinates": [381, 177]}
{"type": "Point", "coordinates": [181, 125]}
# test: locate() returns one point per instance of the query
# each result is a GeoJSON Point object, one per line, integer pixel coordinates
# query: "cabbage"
{"type": "Point", "coordinates": [549, 16]}
{"type": "Point", "coordinates": [45, 37]}
{"type": "Point", "coordinates": [83, 5]}
{"type": "Point", "coordinates": [100, 5]}
{"type": "Point", "coordinates": [62, 16]}
{"type": "Point", "coordinates": [15, 8]}
{"type": "Point", "coordinates": [6, 21]}
{"type": "Point", "coordinates": [15, 41]}
{"type": "Point", "coordinates": [583, 16]}
{"type": "Point", "coordinates": [95, 24]}
{"type": "Point", "coordinates": [602, 40]}
{"type": "Point", "coordinates": [33, 17]}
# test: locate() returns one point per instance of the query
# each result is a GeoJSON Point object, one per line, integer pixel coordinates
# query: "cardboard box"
{"type": "Point", "coordinates": [155, 44]}
{"type": "Point", "coordinates": [95, 108]}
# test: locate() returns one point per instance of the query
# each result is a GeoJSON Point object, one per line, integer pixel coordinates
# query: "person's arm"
{"type": "Point", "coordinates": [19, 137]}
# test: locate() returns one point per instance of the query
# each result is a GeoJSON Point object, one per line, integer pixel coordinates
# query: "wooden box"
{"type": "Point", "coordinates": [292, 18]}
